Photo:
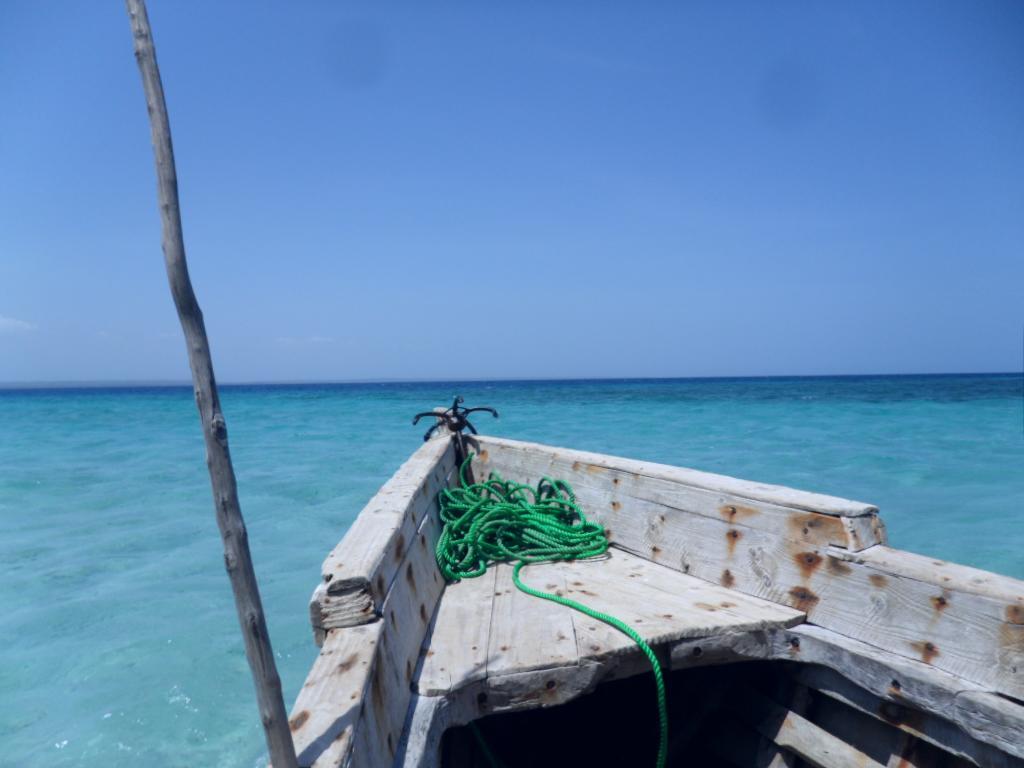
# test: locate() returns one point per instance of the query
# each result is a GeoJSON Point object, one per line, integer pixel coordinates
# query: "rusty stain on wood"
{"type": "Point", "coordinates": [940, 603]}
{"type": "Point", "coordinates": [817, 527]}
{"type": "Point", "coordinates": [731, 537]}
{"type": "Point", "coordinates": [878, 580]}
{"type": "Point", "coordinates": [733, 512]}
{"type": "Point", "coordinates": [807, 562]}
{"type": "Point", "coordinates": [347, 664]}
{"type": "Point", "coordinates": [616, 506]}
{"type": "Point", "coordinates": [297, 722]}
{"type": "Point", "coordinates": [803, 599]}
{"type": "Point", "coordinates": [727, 579]}
{"type": "Point", "coordinates": [1015, 614]}
{"type": "Point", "coordinates": [837, 566]}
{"type": "Point", "coordinates": [926, 649]}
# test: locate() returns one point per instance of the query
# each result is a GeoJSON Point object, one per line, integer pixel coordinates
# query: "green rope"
{"type": "Point", "coordinates": [500, 521]}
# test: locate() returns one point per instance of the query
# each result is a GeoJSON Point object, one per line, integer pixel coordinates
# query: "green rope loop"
{"type": "Point", "coordinates": [500, 521]}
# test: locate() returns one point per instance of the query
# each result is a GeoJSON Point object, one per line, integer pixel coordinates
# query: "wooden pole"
{"type": "Point", "coordinates": [237, 559]}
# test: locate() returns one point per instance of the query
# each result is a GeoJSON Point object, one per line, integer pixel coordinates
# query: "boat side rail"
{"type": "Point", "coordinates": [819, 554]}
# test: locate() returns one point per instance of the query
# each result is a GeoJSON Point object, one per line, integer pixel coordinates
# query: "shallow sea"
{"type": "Point", "coordinates": [118, 639]}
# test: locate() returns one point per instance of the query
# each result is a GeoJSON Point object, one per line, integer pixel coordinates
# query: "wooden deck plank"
{"type": "Point", "coordinates": [457, 648]}
{"type": "Point", "coordinates": [528, 633]}
{"type": "Point", "coordinates": [661, 604]}
{"type": "Point", "coordinates": [525, 633]}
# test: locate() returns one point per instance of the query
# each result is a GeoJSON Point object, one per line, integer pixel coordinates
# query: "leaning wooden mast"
{"type": "Point", "coordinates": [237, 559]}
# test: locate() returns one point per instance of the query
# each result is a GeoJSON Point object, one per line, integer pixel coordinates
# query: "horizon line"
{"type": "Point", "coordinates": [187, 383]}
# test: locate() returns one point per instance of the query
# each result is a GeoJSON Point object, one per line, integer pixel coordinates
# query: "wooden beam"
{"type": "Point", "coordinates": [743, 747]}
{"type": "Point", "coordinates": [357, 575]}
{"type": "Point", "coordinates": [596, 464]}
{"type": "Point", "coordinates": [237, 559]}
{"type": "Point", "coordinates": [794, 732]}
{"type": "Point", "coordinates": [992, 721]}
{"type": "Point", "coordinates": [899, 717]}
{"type": "Point", "coordinates": [628, 496]}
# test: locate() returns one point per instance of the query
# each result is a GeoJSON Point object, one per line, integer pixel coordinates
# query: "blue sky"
{"type": "Point", "coordinates": [448, 190]}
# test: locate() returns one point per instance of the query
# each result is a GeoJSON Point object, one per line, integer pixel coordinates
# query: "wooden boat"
{"type": "Point", "coordinates": [854, 653]}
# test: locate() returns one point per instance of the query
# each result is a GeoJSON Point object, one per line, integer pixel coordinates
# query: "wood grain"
{"type": "Point", "coordinates": [794, 732]}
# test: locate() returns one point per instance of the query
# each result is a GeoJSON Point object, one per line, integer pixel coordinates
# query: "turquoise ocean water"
{"type": "Point", "coordinates": [118, 639]}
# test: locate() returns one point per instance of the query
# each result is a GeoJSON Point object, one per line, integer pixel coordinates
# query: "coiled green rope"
{"type": "Point", "coordinates": [500, 521]}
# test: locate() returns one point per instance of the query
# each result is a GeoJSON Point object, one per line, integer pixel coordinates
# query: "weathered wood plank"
{"type": "Point", "coordinates": [620, 498]}
{"type": "Point", "coordinates": [421, 740]}
{"type": "Point", "coordinates": [960, 578]}
{"type": "Point", "coordinates": [607, 486]}
{"type": "Point", "coordinates": [596, 463]}
{"type": "Point", "coordinates": [792, 731]}
{"type": "Point", "coordinates": [663, 605]}
{"type": "Point", "coordinates": [528, 633]}
{"type": "Point", "coordinates": [455, 651]}
{"type": "Point", "coordinates": [992, 719]}
{"type": "Point", "coordinates": [329, 706]}
{"type": "Point", "coordinates": [431, 716]}
{"type": "Point", "coordinates": [406, 615]}
{"type": "Point", "coordinates": [743, 747]}
{"type": "Point", "coordinates": [874, 737]}
{"type": "Point", "coordinates": [360, 570]}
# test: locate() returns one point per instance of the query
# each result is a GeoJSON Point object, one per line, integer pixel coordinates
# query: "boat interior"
{"type": "Point", "coordinates": [724, 717]}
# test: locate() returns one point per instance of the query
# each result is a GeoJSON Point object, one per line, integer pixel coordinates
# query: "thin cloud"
{"type": "Point", "coordinates": [12, 325]}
